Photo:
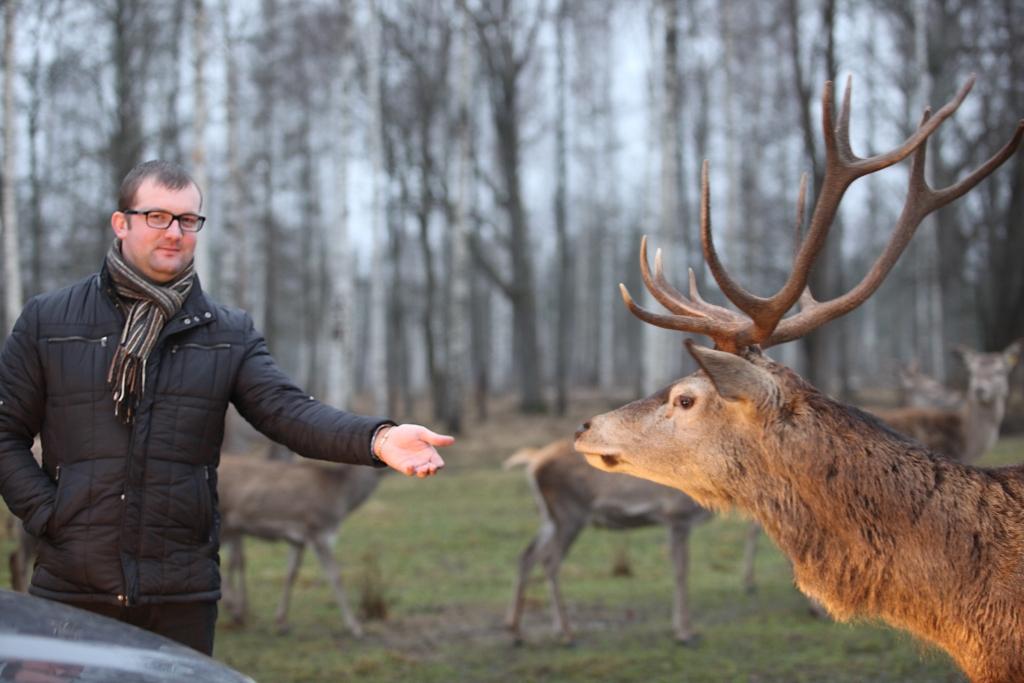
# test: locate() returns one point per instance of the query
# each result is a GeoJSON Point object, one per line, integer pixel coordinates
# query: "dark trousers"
{"type": "Point", "coordinates": [189, 623]}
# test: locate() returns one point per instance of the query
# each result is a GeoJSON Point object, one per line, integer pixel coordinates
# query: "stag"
{"type": "Point", "coordinates": [301, 503]}
{"type": "Point", "coordinates": [570, 494]}
{"type": "Point", "coordinates": [874, 524]}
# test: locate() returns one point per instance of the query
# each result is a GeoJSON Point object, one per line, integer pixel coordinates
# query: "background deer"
{"type": "Point", "coordinates": [570, 495]}
{"type": "Point", "coordinates": [968, 431]}
{"type": "Point", "coordinates": [919, 390]}
{"type": "Point", "coordinates": [873, 523]}
{"type": "Point", "coordinates": [301, 502]}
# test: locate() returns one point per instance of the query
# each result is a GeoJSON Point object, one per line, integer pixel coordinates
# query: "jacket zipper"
{"type": "Point", "coordinates": [123, 598]}
{"type": "Point", "coordinates": [193, 345]}
{"type": "Point", "coordinates": [102, 341]}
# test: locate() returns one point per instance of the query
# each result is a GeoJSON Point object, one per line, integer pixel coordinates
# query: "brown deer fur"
{"type": "Point", "coordinates": [874, 524]}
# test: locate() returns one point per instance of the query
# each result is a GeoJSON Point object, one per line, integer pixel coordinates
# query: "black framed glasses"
{"type": "Point", "coordinates": [161, 220]}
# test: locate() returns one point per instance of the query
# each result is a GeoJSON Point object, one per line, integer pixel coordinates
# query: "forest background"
{"type": "Point", "coordinates": [436, 198]}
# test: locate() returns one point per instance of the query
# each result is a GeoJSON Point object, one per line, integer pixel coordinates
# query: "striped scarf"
{"type": "Point", "coordinates": [148, 306]}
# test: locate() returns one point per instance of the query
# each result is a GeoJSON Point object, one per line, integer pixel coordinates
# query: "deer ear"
{"type": "Point", "coordinates": [735, 378]}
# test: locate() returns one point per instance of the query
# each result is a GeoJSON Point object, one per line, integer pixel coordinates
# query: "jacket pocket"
{"type": "Point", "coordinates": [196, 369]}
{"type": "Point", "coordinates": [76, 364]}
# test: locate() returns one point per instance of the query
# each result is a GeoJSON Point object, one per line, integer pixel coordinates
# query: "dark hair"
{"type": "Point", "coordinates": [165, 173]}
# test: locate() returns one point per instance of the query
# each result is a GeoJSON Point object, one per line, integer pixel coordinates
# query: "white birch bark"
{"type": "Point", "coordinates": [376, 353]}
{"type": "Point", "coordinates": [237, 256]}
{"type": "Point", "coordinates": [458, 336]}
{"type": "Point", "coordinates": [204, 252]}
{"type": "Point", "coordinates": [929, 302]}
{"type": "Point", "coordinates": [661, 356]}
{"type": "Point", "coordinates": [12, 262]}
{"type": "Point", "coordinates": [341, 290]}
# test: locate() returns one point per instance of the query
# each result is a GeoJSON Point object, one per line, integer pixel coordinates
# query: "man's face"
{"type": "Point", "coordinates": [160, 255]}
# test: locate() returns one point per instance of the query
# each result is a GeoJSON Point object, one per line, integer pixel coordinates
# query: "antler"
{"type": "Point", "coordinates": [763, 321]}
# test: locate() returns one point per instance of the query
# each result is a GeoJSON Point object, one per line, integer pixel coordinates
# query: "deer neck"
{"type": "Point", "coordinates": [981, 424]}
{"type": "Point", "coordinates": [874, 524]}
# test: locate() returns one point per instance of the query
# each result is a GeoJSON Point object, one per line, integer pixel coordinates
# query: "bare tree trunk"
{"type": "Point", "coordinates": [430, 312]}
{"type": "Point", "coordinates": [170, 128]}
{"type": "Point", "coordinates": [340, 298]}
{"type": "Point", "coordinates": [505, 59]}
{"type": "Point", "coordinates": [266, 122]}
{"type": "Point", "coordinates": [235, 277]}
{"type": "Point", "coordinates": [660, 347]}
{"type": "Point", "coordinates": [312, 256]}
{"type": "Point", "coordinates": [565, 280]}
{"type": "Point", "coordinates": [130, 57]}
{"type": "Point", "coordinates": [460, 273]}
{"type": "Point", "coordinates": [13, 299]}
{"type": "Point", "coordinates": [37, 231]}
{"type": "Point", "coordinates": [607, 238]}
{"type": "Point", "coordinates": [204, 253]}
{"type": "Point", "coordinates": [733, 136]}
{"type": "Point", "coordinates": [377, 375]}
{"type": "Point", "coordinates": [826, 278]}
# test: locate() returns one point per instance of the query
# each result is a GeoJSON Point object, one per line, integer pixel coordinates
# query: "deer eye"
{"type": "Point", "coordinates": [685, 401]}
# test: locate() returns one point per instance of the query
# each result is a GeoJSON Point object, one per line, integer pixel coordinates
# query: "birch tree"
{"type": "Point", "coordinates": [204, 252]}
{"type": "Point", "coordinates": [564, 267]}
{"type": "Point", "coordinates": [12, 256]}
{"type": "Point", "coordinates": [661, 355]}
{"type": "Point", "coordinates": [235, 259]}
{"type": "Point", "coordinates": [460, 273]}
{"type": "Point", "coordinates": [340, 321]}
{"type": "Point", "coordinates": [376, 350]}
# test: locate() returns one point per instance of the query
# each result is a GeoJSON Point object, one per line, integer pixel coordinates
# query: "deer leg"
{"type": "Point", "coordinates": [330, 565]}
{"type": "Point", "coordinates": [527, 559]}
{"type": "Point", "coordinates": [236, 597]}
{"type": "Point", "coordinates": [679, 547]}
{"type": "Point", "coordinates": [17, 577]}
{"type": "Point", "coordinates": [749, 555]}
{"type": "Point", "coordinates": [553, 553]}
{"type": "Point", "coordinates": [294, 564]}
{"type": "Point", "coordinates": [21, 557]}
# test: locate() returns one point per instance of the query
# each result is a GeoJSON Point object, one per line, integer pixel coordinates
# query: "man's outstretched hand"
{"type": "Point", "coordinates": [409, 449]}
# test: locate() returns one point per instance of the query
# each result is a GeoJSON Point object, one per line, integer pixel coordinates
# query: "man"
{"type": "Point", "coordinates": [126, 377]}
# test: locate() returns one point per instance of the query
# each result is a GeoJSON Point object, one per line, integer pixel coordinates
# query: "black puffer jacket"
{"type": "Point", "coordinates": [129, 513]}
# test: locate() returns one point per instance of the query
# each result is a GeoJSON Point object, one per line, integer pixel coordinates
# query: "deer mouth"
{"type": "Point", "coordinates": [604, 461]}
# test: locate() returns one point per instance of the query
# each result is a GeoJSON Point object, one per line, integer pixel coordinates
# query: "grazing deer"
{"type": "Point", "coordinates": [874, 524]}
{"type": "Point", "coordinates": [570, 495]}
{"type": "Point", "coordinates": [301, 503]}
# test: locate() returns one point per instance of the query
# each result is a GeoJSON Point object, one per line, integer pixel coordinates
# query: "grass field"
{"type": "Point", "coordinates": [444, 551]}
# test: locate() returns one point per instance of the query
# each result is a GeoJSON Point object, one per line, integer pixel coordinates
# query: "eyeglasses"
{"type": "Point", "coordinates": [161, 220]}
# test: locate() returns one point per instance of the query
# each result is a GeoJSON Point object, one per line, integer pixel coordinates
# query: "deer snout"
{"type": "Point", "coordinates": [582, 429]}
